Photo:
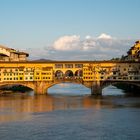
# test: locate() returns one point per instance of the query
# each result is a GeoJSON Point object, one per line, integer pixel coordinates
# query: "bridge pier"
{"type": "Point", "coordinates": [96, 88]}
{"type": "Point", "coordinates": [40, 87]}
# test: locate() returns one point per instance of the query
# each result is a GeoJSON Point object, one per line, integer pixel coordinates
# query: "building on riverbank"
{"type": "Point", "coordinates": [9, 54]}
{"type": "Point", "coordinates": [134, 52]}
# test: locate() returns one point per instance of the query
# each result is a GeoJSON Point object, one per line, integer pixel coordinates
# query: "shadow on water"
{"type": "Point", "coordinates": [7, 89]}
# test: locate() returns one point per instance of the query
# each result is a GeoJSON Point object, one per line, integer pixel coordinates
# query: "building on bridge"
{"type": "Point", "coordinates": [9, 54]}
{"type": "Point", "coordinates": [41, 75]}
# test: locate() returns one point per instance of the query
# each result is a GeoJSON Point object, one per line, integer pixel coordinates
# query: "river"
{"type": "Point", "coordinates": [68, 112]}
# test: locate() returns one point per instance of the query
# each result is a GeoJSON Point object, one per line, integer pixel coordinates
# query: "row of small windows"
{"type": "Point", "coordinates": [46, 78]}
{"type": "Point", "coordinates": [43, 73]}
{"type": "Point", "coordinates": [46, 73]}
{"type": "Point", "coordinates": [42, 78]}
{"type": "Point", "coordinates": [87, 69]}
{"type": "Point", "coordinates": [15, 78]}
{"type": "Point", "coordinates": [88, 73]}
{"type": "Point", "coordinates": [25, 74]}
{"type": "Point", "coordinates": [21, 78]}
{"type": "Point", "coordinates": [92, 73]}
{"type": "Point", "coordinates": [68, 65]}
{"type": "Point", "coordinates": [25, 69]}
{"type": "Point", "coordinates": [29, 78]}
{"type": "Point", "coordinates": [89, 77]}
{"type": "Point", "coordinates": [28, 73]}
{"type": "Point", "coordinates": [11, 74]}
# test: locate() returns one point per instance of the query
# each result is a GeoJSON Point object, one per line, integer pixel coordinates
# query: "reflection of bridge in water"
{"type": "Point", "coordinates": [22, 104]}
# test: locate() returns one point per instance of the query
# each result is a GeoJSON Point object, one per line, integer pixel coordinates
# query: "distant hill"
{"type": "Point", "coordinates": [42, 60]}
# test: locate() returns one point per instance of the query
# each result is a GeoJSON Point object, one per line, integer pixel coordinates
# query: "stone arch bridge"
{"type": "Point", "coordinates": [95, 75]}
{"type": "Point", "coordinates": [41, 87]}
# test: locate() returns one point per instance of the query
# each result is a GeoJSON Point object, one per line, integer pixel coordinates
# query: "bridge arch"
{"type": "Point", "coordinates": [59, 74]}
{"type": "Point", "coordinates": [69, 74]}
{"type": "Point", "coordinates": [76, 88]}
{"type": "Point", "coordinates": [128, 87]}
{"type": "Point", "coordinates": [79, 73]}
{"type": "Point", "coordinates": [31, 86]}
{"type": "Point", "coordinates": [107, 83]}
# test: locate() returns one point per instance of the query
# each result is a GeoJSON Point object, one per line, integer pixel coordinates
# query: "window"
{"type": "Point", "coordinates": [58, 65]}
{"type": "Point", "coordinates": [114, 73]}
{"type": "Point", "coordinates": [68, 65]}
{"type": "Point", "coordinates": [78, 65]}
{"type": "Point", "coordinates": [21, 78]}
{"type": "Point", "coordinates": [47, 68]}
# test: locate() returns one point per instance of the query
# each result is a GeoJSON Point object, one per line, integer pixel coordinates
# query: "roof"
{"type": "Point", "coordinates": [13, 50]}
{"type": "Point", "coordinates": [24, 53]}
{"type": "Point", "coordinates": [5, 47]}
{"type": "Point", "coordinates": [138, 41]}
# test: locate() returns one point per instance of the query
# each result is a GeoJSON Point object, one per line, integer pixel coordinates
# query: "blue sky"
{"type": "Point", "coordinates": [32, 24]}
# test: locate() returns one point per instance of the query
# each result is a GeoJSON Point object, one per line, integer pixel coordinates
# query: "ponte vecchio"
{"type": "Point", "coordinates": [15, 69]}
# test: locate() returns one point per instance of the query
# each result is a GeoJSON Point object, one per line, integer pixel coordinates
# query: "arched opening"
{"type": "Point", "coordinates": [8, 89]}
{"type": "Point", "coordinates": [69, 74]}
{"type": "Point", "coordinates": [112, 90]}
{"type": "Point", "coordinates": [121, 88]}
{"type": "Point", "coordinates": [69, 89]}
{"type": "Point", "coordinates": [59, 74]}
{"type": "Point", "coordinates": [130, 89]}
{"type": "Point", "coordinates": [79, 73]}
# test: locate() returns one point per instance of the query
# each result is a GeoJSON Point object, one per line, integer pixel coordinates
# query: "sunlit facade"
{"type": "Point", "coordinates": [134, 52]}
{"type": "Point", "coordinates": [9, 54]}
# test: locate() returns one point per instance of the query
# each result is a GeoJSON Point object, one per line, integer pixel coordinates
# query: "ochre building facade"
{"type": "Point", "coordinates": [46, 74]}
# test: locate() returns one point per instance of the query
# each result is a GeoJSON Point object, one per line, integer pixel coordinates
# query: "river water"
{"type": "Point", "coordinates": [68, 112]}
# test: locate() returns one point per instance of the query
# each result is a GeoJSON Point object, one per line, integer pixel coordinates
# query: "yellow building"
{"type": "Point", "coordinates": [28, 73]}
{"type": "Point", "coordinates": [42, 73]}
{"type": "Point", "coordinates": [134, 52]}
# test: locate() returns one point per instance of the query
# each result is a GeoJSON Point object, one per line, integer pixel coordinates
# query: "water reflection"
{"type": "Point", "coordinates": [21, 106]}
{"type": "Point", "coordinates": [69, 89]}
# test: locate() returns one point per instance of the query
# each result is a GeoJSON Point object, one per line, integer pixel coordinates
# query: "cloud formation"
{"type": "Point", "coordinates": [89, 48]}
{"type": "Point", "coordinates": [67, 43]}
{"type": "Point", "coordinates": [104, 36]}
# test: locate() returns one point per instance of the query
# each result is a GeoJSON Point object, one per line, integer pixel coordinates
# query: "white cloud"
{"type": "Point", "coordinates": [67, 43]}
{"type": "Point", "coordinates": [104, 36]}
{"type": "Point", "coordinates": [88, 37]}
{"type": "Point", "coordinates": [89, 48]}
